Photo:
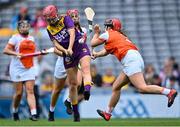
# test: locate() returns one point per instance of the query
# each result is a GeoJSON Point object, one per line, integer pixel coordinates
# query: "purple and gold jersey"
{"type": "Point", "coordinates": [60, 32]}
{"type": "Point", "coordinates": [61, 35]}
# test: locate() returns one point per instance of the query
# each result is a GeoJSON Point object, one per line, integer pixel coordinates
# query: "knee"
{"type": "Point", "coordinates": [30, 91]}
{"type": "Point", "coordinates": [73, 82]}
{"type": "Point", "coordinates": [72, 87]}
{"type": "Point", "coordinates": [85, 68]}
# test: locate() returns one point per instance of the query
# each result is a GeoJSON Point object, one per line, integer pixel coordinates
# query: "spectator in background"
{"type": "Point", "coordinates": [170, 69]}
{"type": "Point", "coordinates": [96, 77]}
{"type": "Point", "coordinates": [39, 21]}
{"type": "Point", "coordinates": [172, 83]}
{"type": "Point", "coordinates": [22, 15]}
{"type": "Point", "coordinates": [175, 68]}
{"type": "Point", "coordinates": [150, 75]}
{"type": "Point", "coordinates": [156, 80]}
{"type": "Point", "coordinates": [47, 83]}
{"type": "Point", "coordinates": [0, 23]}
{"type": "Point", "coordinates": [108, 78]}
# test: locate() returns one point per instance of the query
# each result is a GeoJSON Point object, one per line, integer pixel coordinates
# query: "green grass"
{"type": "Point", "coordinates": [93, 122]}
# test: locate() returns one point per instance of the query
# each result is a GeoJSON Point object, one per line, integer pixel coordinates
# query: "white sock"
{"type": "Point", "coordinates": [33, 112]}
{"type": "Point", "coordinates": [109, 110]}
{"type": "Point", "coordinates": [68, 99]}
{"type": "Point", "coordinates": [14, 110]}
{"type": "Point", "coordinates": [165, 91]}
{"type": "Point", "coordinates": [51, 109]}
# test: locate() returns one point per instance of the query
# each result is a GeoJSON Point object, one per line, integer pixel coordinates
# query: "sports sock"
{"type": "Point", "coordinates": [109, 110]}
{"type": "Point", "coordinates": [75, 108]}
{"type": "Point", "coordinates": [33, 111]}
{"type": "Point", "coordinates": [87, 86]}
{"type": "Point", "coordinates": [51, 109]}
{"type": "Point", "coordinates": [165, 91]}
{"type": "Point", "coordinates": [14, 110]}
{"type": "Point", "coordinates": [68, 99]}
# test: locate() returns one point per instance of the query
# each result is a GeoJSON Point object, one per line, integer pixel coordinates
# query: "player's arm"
{"type": "Point", "coordinates": [71, 40]}
{"type": "Point", "coordinates": [59, 48]}
{"type": "Point", "coordinates": [58, 52]}
{"type": "Point", "coordinates": [57, 45]}
{"type": "Point", "coordinates": [96, 40]}
{"type": "Point", "coordinates": [9, 50]}
{"type": "Point", "coordinates": [101, 53]}
{"type": "Point", "coordinates": [69, 24]}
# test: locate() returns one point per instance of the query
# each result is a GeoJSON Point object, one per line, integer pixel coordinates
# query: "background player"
{"type": "Point", "coordinates": [22, 70]}
{"type": "Point", "coordinates": [118, 44]}
{"type": "Point", "coordinates": [84, 74]}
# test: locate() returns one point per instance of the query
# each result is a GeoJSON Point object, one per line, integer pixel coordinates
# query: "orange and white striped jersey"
{"type": "Point", "coordinates": [116, 43]}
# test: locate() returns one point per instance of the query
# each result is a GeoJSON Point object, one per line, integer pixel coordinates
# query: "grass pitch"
{"type": "Point", "coordinates": [94, 122]}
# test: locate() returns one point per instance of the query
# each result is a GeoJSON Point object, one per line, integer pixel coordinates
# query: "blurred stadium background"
{"type": "Point", "coordinates": [153, 25]}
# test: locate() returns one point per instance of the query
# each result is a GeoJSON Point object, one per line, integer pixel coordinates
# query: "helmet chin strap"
{"type": "Point", "coordinates": [25, 33]}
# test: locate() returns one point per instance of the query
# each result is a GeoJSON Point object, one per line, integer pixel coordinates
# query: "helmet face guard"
{"type": "Point", "coordinates": [52, 21]}
{"type": "Point", "coordinates": [50, 13]}
{"type": "Point", "coordinates": [108, 23]}
{"type": "Point", "coordinates": [74, 14]}
{"type": "Point", "coordinates": [23, 27]}
{"type": "Point", "coordinates": [114, 23]}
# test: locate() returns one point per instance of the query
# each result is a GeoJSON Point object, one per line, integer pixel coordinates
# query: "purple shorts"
{"type": "Point", "coordinates": [78, 52]}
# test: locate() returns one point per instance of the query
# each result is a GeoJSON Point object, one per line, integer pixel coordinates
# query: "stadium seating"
{"type": "Point", "coordinates": [152, 24]}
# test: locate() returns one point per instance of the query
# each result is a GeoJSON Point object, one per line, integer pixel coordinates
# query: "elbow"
{"type": "Point", "coordinates": [92, 43]}
{"type": "Point", "coordinates": [4, 51]}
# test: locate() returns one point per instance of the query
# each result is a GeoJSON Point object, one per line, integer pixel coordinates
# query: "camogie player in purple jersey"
{"type": "Point", "coordinates": [83, 75]}
{"type": "Point", "coordinates": [65, 38]}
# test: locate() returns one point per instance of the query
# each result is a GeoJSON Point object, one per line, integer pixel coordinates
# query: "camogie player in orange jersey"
{"type": "Point", "coordinates": [116, 43]}
{"type": "Point", "coordinates": [22, 70]}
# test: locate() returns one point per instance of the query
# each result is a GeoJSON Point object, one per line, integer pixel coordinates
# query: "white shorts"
{"type": "Point", "coordinates": [19, 74]}
{"type": "Point", "coordinates": [60, 71]}
{"type": "Point", "coordinates": [132, 63]}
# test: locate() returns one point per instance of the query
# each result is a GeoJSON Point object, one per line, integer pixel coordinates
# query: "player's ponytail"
{"type": "Point", "coordinates": [123, 32]}
{"type": "Point", "coordinates": [79, 27]}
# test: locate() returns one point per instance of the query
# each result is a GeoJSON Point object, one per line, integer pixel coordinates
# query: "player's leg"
{"type": "Point", "coordinates": [59, 85]}
{"type": "Point", "coordinates": [36, 94]}
{"type": "Point", "coordinates": [16, 99]}
{"type": "Point", "coordinates": [138, 81]}
{"type": "Point", "coordinates": [72, 76]}
{"type": "Point", "coordinates": [85, 69]}
{"type": "Point", "coordinates": [59, 81]}
{"type": "Point", "coordinates": [80, 86]}
{"type": "Point", "coordinates": [31, 99]}
{"type": "Point", "coordinates": [67, 102]}
{"type": "Point", "coordinates": [120, 81]}
{"type": "Point", "coordinates": [79, 78]}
